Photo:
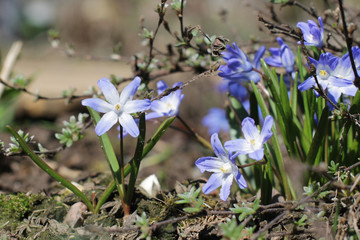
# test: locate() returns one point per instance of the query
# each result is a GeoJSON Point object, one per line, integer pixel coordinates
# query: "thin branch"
{"type": "Point", "coordinates": [349, 41]}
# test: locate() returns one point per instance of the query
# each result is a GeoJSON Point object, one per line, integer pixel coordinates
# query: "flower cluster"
{"type": "Point", "coordinates": [223, 165]}
{"type": "Point", "coordinates": [119, 107]}
{"type": "Point", "coordinates": [334, 75]}
{"type": "Point", "coordinates": [239, 69]}
{"type": "Point", "coordinates": [313, 36]}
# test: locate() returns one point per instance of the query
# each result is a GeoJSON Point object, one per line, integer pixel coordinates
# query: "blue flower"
{"type": "Point", "coordinates": [117, 108]}
{"type": "Point", "coordinates": [216, 120]}
{"type": "Point", "coordinates": [313, 36]}
{"type": "Point", "coordinates": [224, 170]}
{"type": "Point", "coordinates": [238, 66]}
{"type": "Point", "coordinates": [167, 105]}
{"type": "Point", "coordinates": [281, 57]}
{"type": "Point", "coordinates": [333, 74]}
{"type": "Point", "coordinates": [253, 144]}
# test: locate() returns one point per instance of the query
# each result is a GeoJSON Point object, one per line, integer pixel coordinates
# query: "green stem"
{"type": "Point", "coordinates": [135, 164]}
{"type": "Point", "coordinates": [200, 139]}
{"type": "Point", "coordinates": [49, 170]}
{"type": "Point", "coordinates": [106, 194]}
{"type": "Point", "coordinates": [123, 192]}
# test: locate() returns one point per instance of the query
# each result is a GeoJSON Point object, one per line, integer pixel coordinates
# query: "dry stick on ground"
{"type": "Point", "coordinates": [9, 63]}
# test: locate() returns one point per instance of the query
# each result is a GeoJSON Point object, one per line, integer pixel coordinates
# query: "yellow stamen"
{"type": "Point", "coordinates": [252, 141]}
{"type": "Point", "coordinates": [117, 107]}
{"type": "Point", "coordinates": [323, 73]}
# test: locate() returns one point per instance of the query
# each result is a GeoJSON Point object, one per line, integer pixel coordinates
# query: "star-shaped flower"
{"type": "Point", "coordinates": [224, 170]}
{"type": "Point", "coordinates": [253, 144]}
{"type": "Point", "coordinates": [117, 107]}
{"type": "Point", "coordinates": [313, 35]}
{"type": "Point", "coordinates": [281, 57]}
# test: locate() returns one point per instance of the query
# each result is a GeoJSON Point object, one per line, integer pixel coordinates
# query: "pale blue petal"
{"type": "Point", "coordinates": [213, 183]}
{"type": "Point", "coordinates": [129, 91]}
{"type": "Point", "coordinates": [153, 115]}
{"type": "Point", "coordinates": [98, 104]}
{"type": "Point", "coordinates": [240, 180]}
{"type": "Point", "coordinates": [137, 106]}
{"type": "Point", "coordinates": [249, 129]}
{"type": "Point", "coordinates": [161, 86]}
{"type": "Point", "coordinates": [258, 55]}
{"type": "Point", "coordinates": [106, 122]}
{"type": "Point", "coordinates": [257, 155]}
{"type": "Point", "coordinates": [210, 164]}
{"type": "Point", "coordinates": [266, 132]}
{"type": "Point", "coordinates": [241, 146]}
{"type": "Point", "coordinates": [129, 124]}
{"type": "Point", "coordinates": [109, 90]}
{"type": "Point", "coordinates": [226, 186]}
{"type": "Point", "coordinates": [307, 84]}
{"type": "Point", "coordinates": [159, 106]}
{"type": "Point", "coordinates": [217, 146]}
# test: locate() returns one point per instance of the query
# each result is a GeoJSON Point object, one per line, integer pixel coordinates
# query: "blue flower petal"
{"type": "Point", "coordinates": [97, 104]}
{"type": "Point", "coordinates": [249, 129]}
{"type": "Point", "coordinates": [266, 132]}
{"type": "Point", "coordinates": [226, 186]}
{"type": "Point", "coordinates": [161, 86]}
{"type": "Point", "coordinates": [216, 144]}
{"type": "Point", "coordinates": [137, 106]}
{"type": "Point", "coordinates": [129, 124]}
{"type": "Point", "coordinates": [210, 164]}
{"type": "Point", "coordinates": [257, 155]}
{"type": "Point", "coordinates": [129, 91]}
{"type": "Point", "coordinates": [307, 84]}
{"type": "Point", "coordinates": [240, 180]}
{"type": "Point", "coordinates": [106, 122]}
{"type": "Point", "coordinates": [241, 146]}
{"type": "Point", "coordinates": [153, 115]}
{"type": "Point", "coordinates": [109, 90]}
{"type": "Point", "coordinates": [215, 181]}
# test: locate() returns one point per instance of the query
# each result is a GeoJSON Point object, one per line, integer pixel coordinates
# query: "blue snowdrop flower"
{"type": "Point", "coordinates": [117, 107]}
{"type": "Point", "coordinates": [216, 121]}
{"type": "Point", "coordinates": [167, 105]}
{"type": "Point", "coordinates": [253, 144]}
{"type": "Point", "coordinates": [313, 35]}
{"type": "Point", "coordinates": [238, 66]}
{"type": "Point", "coordinates": [343, 71]}
{"type": "Point", "coordinates": [331, 73]}
{"type": "Point", "coordinates": [281, 57]}
{"type": "Point", "coordinates": [224, 170]}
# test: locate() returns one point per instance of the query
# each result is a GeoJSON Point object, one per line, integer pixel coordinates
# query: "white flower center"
{"type": "Point", "coordinates": [226, 168]}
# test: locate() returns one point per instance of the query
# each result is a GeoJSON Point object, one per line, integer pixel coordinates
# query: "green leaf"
{"type": "Point", "coordinates": [46, 168]}
{"type": "Point", "coordinates": [319, 137]}
{"type": "Point", "coordinates": [279, 1]}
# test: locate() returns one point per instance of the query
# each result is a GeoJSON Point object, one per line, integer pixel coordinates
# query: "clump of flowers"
{"type": "Point", "coordinates": [117, 107]}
